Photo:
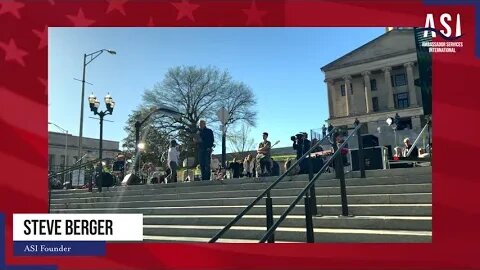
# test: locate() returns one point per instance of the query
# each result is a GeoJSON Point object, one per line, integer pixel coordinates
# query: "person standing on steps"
{"type": "Point", "coordinates": [172, 162]}
{"type": "Point", "coordinates": [330, 129]}
{"type": "Point", "coordinates": [263, 157]}
{"type": "Point", "coordinates": [204, 140]}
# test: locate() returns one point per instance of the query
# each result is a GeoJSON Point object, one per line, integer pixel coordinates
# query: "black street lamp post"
{"type": "Point", "coordinates": [87, 59]}
{"type": "Point", "coordinates": [94, 104]}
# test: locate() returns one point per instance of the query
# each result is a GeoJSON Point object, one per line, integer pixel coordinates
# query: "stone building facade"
{"type": "Point", "coordinates": [56, 149]}
{"type": "Point", "coordinates": [374, 82]}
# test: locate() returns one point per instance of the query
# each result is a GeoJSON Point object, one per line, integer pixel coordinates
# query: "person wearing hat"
{"type": "Point", "coordinates": [172, 161]}
{"type": "Point", "coordinates": [263, 156]}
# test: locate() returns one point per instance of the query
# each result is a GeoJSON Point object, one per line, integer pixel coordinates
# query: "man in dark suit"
{"type": "Point", "coordinates": [204, 140]}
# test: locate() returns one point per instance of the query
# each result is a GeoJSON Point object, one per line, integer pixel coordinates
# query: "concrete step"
{"type": "Point", "coordinates": [329, 199]}
{"type": "Point", "coordinates": [405, 172]}
{"type": "Point", "coordinates": [351, 190]}
{"type": "Point", "coordinates": [388, 206]}
{"type": "Point", "coordinates": [415, 223]}
{"type": "Point", "coordinates": [294, 234]}
{"type": "Point", "coordinates": [182, 239]}
{"type": "Point", "coordinates": [355, 209]}
{"type": "Point", "coordinates": [218, 186]}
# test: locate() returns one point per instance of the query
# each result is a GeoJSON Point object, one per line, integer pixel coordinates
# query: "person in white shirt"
{"type": "Point", "coordinates": [172, 161]}
{"type": "Point", "coordinates": [215, 164]}
{"type": "Point", "coordinates": [248, 165]}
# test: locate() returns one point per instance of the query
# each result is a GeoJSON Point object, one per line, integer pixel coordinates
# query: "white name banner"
{"type": "Point", "coordinates": [77, 227]}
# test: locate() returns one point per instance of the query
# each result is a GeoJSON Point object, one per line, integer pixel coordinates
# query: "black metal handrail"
{"type": "Point", "coordinates": [69, 170]}
{"type": "Point", "coordinates": [75, 167]}
{"type": "Point", "coordinates": [267, 193]}
{"type": "Point", "coordinates": [426, 128]}
{"type": "Point", "coordinates": [336, 155]}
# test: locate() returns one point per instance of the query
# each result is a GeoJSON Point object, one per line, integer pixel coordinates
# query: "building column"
{"type": "Point", "coordinates": [368, 92]}
{"type": "Point", "coordinates": [388, 83]}
{"type": "Point", "coordinates": [411, 84]}
{"type": "Point", "coordinates": [331, 97]}
{"type": "Point", "coordinates": [347, 81]}
{"type": "Point", "coordinates": [416, 124]}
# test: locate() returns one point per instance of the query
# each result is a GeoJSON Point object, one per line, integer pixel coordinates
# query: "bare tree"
{"type": "Point", "coordinates": [240, 140]}
{"type": "Point", "coordinates": [156, 141]}
{"type": "Point", "coordinates": [238, 100]}
{"type": "Point", "coordinates": [198, 93]}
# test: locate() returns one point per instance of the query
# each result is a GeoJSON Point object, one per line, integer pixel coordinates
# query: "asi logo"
{"type": "Point", "coordinates": [446, 32]}
{"type": "Point", "coordinates": [450, 31]}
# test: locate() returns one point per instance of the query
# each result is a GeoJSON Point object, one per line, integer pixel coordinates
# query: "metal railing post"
{"type": "Point", "coordinates": [361, 158]}
{"type": "Point", "coordinates": [341, 176]}
{"type": "Point", "coordinates": [313, 197]}
{"type": "Point", "coordinates": [335, 149]}
{"type": "Point", "coordinates": [269, 209]}
{"type": "Point", "coordinates": [265, 193]}
{"type": "Point", "coordinates": [100, 156]}
{"type": "Point", "coordinates": [429, 123]}
{"type": "Point", "coordinates": [308, 219]}
{"type": "Point", "coordinates": [49, 194]}
{"type": "Point", "coordinates": [338, 161]}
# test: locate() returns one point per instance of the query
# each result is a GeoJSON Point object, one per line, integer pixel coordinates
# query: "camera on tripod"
{"type": "Point", "coordinates": [298, 137]}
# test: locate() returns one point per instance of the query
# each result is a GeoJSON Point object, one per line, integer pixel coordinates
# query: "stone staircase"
{"type": "Point", "coordinates": [388, 206]}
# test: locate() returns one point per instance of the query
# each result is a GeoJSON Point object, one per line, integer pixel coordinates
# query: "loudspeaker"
{"type": "Point", "coordinates": [373, 159]}
{"type": "Point", "coordinates": [131, 179]}
{"type": "Point", "coordinates": [369, 140]}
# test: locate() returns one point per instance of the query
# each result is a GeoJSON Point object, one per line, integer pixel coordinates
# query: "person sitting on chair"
{"type": "Point", "coordinates": [317, 161]}
{"type": "Point", "coordinates": [339, 140]}
{"type": "Point", "coordinates": [275, 168]}
{"type": "Point", "coordinates": [397, 153]}
{"type": "Point", "coordinates": [263, 156]}
{"type": "Point", "coordinates": [293, 171]}
{"type": "Point", "coordinates": [408, 146]}
{"type": "Point", "coordinates": [235, 167]}
{"type": "Point", "coordinates": [301, 145]}
{"type": "Point", "coordinates": [318, 148]}
{"type": "Point", "coordinates": [248, 165]}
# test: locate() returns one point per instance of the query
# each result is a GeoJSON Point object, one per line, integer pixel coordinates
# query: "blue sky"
{"type": "Point", "coordinates": [282, 66]}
